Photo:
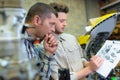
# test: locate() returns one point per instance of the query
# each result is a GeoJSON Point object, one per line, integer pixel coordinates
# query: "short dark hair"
{"type": "Point", "coordinates": [60, 7]}
{"type": "Point", "coordinates": [41, 9]}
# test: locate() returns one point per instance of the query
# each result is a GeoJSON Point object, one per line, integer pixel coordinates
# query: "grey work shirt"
{"type": "Point", "coordinates": [68, 55]}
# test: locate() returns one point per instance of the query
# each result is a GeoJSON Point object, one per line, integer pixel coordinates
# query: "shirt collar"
{"type": "Point", "coordinates": [61, 38]}
{"type": "Point", "coordinates": [29, 38]}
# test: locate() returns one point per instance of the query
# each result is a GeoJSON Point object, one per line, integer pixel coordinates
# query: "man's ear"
{"type": "Point", "coordinates": [37, 20]}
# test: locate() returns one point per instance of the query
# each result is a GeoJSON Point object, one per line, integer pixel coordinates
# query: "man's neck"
{"type": "Point", "coordinates": [31, 32]}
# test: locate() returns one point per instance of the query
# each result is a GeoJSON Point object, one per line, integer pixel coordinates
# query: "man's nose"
{"type": "Point", "coordinates": [65, 23]}
{"type": "Point", "coordinates": [53, 29]}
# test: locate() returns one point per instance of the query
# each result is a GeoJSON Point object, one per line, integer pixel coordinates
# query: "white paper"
{"type": "Point", "coordinates": [110, 52]}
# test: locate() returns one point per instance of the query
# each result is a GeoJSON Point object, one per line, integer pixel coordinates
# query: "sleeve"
{"type": "Point", "coordinates": [55, 68]}
{"type": "Point", "coordinates": [46, 63]}
{"type": "Point", "coordinates": [73, 76]}
{"type": "Point", "coordinates": [43, 62]}
{"type": "Point", "coordinates": [39, 59]}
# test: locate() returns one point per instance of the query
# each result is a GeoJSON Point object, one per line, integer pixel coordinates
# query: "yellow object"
{"type": "Point", "coordinates": [83, 39]}
{"type": "Point", "coordinates": [92, 20]}
{"type": "Point", "coordinates": [100, 19]}
{"type": "Point", "coordinates": [93, 23]}
{"type": "Point", "coordinates": [115, 31]}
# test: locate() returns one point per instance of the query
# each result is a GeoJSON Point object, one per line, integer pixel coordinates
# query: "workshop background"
{"type": "Point", "coordinates": [82, 13]}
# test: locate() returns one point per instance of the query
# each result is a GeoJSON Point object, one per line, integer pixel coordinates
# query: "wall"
{"type": "Point", "coordinates": [76, 16]}
{"type": "Point", "coordinates": [80, 12]}
{"type": "Point", "coordinates": [92, 9]}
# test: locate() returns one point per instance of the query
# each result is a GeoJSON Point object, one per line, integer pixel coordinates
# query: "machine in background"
{"type": "Point", "coordinates": [102, 29]}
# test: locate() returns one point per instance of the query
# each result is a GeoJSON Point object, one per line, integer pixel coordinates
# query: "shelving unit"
{"type": "Point", "coordinates": [109, 6]}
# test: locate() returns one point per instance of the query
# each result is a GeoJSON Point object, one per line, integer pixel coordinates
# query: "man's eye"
{"type": "Point", "coordinates": [52, 23]}
{"type": "Point", "coordinates": [61, 20]}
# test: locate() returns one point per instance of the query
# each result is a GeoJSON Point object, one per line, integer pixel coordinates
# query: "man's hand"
{"type": "Point", "coordinates": [95, 63]}
{"type": "Point", "coordinates": [50, 43]}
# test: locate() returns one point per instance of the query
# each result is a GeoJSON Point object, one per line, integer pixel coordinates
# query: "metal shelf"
{"type": "Point", "coordinates": [109, 5]}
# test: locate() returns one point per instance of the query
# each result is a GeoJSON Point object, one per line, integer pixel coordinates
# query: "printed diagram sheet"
{"type": "Point", "coordinates": [110, 52]}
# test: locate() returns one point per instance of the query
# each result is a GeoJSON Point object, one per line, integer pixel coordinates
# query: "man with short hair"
{"type": "Point", "coordinates": [69, 54]}
{"type": "Point", "coordinates": [40, 25]}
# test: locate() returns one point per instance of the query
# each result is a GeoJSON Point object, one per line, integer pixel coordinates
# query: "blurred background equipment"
{"type": "Point", "coordinates": [12, 17]}
{"type": "Point", "coordinates": [14, 64]}
{"type": "Point", "coordinates": [102, 29]}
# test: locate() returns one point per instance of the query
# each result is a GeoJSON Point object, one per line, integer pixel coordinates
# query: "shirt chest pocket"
{"type": "Point", "coordinates": [73, 52]}
{"type": "Point", "coordinates": [70, 47]}
{"type": "Point", "coordinates": [73, 55]}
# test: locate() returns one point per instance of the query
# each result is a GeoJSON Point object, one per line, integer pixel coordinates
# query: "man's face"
{"type": "Point", "coordinates": [61, 22]}
{"type": "Point", "coordinates": [47, 26]}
